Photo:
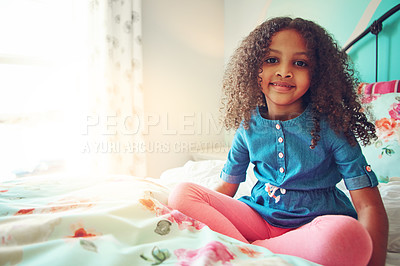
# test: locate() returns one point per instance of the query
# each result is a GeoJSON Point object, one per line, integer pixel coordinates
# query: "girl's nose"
{"type": "Point", "coordinates": [284, 74]}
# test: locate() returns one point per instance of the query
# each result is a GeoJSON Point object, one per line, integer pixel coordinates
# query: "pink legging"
{"type": "Point", "coordinates": [327, 240]}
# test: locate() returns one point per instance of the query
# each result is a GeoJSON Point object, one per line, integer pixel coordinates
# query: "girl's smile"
{"type": "Point", "coordinates": [282, 86]}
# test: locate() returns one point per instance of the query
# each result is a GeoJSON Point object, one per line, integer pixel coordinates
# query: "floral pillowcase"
{"type": "Point", "coordinates": [382, 101]}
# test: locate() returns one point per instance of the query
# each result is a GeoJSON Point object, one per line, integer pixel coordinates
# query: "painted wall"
{"type": "Point", "coordinates": [183, 65]}
{"type": "Point", "coordinates": [363, 52]}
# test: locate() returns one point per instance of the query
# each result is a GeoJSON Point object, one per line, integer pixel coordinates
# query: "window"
{"type": "Point", "coordinates": [38, 86]}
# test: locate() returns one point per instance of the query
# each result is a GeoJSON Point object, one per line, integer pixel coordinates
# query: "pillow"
{"type": "Point", "coordinates": [205, 173]}
{"type": "Point", "coordinates": [382, 101]}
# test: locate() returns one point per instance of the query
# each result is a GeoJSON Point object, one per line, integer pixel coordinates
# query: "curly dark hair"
{"type": "Point", "coordinates": [332, 93]}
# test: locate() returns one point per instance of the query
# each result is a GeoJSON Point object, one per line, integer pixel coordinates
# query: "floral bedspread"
{"type": "Point", "coordinates": [118, 220]}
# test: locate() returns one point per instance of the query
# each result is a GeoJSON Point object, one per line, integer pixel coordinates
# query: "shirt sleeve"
{"type": "Point", "coordinates": [353, 166]}
{"type": "Point", "coordinates": [235, 168]}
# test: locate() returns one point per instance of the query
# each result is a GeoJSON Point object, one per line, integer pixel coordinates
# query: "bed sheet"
{"type": "Point", "coordinates": [114, 220]}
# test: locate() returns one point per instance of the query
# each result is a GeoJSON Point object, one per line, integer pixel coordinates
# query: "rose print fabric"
{"type": "Point", "coordinates": [115, 220]}
{"type": "Point", "coordinates": [381, 100]}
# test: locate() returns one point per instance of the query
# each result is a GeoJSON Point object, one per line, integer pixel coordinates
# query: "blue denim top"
{"type": "Point", "coordinates": [295, 183]}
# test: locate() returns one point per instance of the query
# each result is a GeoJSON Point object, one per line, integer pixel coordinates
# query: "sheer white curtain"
{"type": "Point", "coordinates": [113, 126]}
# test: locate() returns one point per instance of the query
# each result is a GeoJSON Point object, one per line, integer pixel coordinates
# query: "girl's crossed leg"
{"type": "Point", "coordinates": [327, 240]}
{"type": "Point", "coordinates": [221, 213]}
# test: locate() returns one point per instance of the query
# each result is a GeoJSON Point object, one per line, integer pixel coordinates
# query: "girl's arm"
{"type": "Point", "coordinates": [227, 188]}
{"type": "Point", "coordinates": [372, 215]}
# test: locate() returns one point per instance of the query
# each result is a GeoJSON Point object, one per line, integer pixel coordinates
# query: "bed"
{"type": "Point", "coordinates": [111, 220]}
{"type": "Point", "coordinates": [124, 220]}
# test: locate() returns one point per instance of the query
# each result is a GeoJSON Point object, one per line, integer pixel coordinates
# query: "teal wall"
{"type": "Point", "coordinates": [339, 17]}
{"type": "Point", "coordinates": [363, 52]}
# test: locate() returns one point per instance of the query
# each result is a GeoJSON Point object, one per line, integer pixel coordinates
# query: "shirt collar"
{"type": "Point", "coordinates": [306, 116]}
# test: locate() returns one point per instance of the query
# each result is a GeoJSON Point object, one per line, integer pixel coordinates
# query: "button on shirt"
{"type": "Point", "coordinates": [283, 161]}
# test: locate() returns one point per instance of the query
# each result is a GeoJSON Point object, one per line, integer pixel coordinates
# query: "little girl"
{"type": "Point", "coordinates": [290, 96]}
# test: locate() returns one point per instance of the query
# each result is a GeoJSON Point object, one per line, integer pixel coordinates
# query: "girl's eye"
{"type": "Point", "coordinates": [271, 60]}
{"type": "Point", "coordinates": [301, 63]}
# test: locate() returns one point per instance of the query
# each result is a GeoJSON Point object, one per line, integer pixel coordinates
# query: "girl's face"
{"type": "Point", "coordinates": [286, 72]}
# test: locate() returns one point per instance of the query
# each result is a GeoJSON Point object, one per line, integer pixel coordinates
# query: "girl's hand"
{"type": "Point", "coordinates": [372, 215]}
{"type": "Point", "coordinates": [227, 188]}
